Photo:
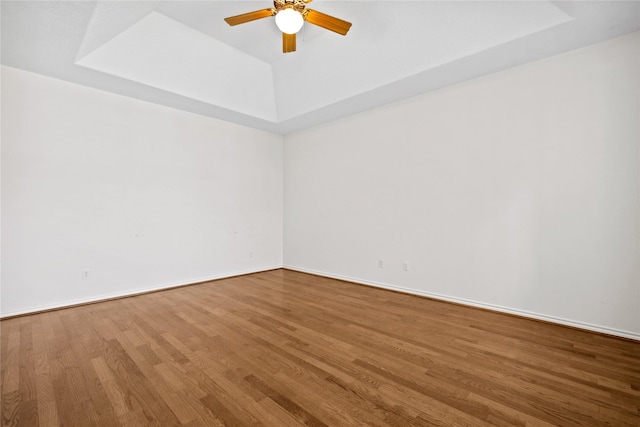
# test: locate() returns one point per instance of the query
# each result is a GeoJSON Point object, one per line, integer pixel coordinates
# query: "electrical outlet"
{"type": "Point", "coordinates": [405, 265]}
{"type": "Point", "coordinates": [85, 274]}
{"type": "Point", "coordinates": [380, 263]}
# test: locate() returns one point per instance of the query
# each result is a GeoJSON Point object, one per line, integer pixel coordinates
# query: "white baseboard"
{"type": "Point", "coordinates": [132, 292]}
{"type": "Point", "coordinates": [501, 309]}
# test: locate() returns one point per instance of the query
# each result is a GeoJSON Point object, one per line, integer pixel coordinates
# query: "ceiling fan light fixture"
{"type": "Point", "coordinates": [290, 16]}
{"type": "Point", "coordinates": [289, 21]}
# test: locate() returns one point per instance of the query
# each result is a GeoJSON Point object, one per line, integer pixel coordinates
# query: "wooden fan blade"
{"type": "Point", "coordinates": [248, 17]}
{"type": "Point", "coordinates": [328, 22]}
{"type": "Point", "coordinates": [288, 42]}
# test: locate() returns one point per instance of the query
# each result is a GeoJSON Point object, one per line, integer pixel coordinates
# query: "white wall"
{"type": "Point", "coordinates": [519, 191]}
{"type": "Point", "coordinates": [141, 196]}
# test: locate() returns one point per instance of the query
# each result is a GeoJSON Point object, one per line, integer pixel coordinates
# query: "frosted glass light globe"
{"type": "Point", "coordinates": [289, 21]}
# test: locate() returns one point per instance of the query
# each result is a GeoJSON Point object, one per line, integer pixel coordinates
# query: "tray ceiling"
{"type": "Point", "coordinates": [183, 55]}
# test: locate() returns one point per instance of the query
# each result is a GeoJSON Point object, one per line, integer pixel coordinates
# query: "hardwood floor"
{"type": "Point", "coordinates": [283, 348]}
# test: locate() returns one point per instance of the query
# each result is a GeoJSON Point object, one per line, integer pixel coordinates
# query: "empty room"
{"type": "Point", "coordinates": [327, 213]}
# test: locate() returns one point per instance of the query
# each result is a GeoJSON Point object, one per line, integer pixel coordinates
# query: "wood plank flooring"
{"type": "Point", "coordinates": [283, 348]}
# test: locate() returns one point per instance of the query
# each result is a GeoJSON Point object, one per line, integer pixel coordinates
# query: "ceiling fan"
{"type": "Point", "coordinates": [290, 16]}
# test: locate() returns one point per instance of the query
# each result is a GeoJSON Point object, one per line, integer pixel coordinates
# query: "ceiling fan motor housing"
{"type": "Point", "coordinates": [297, 5]}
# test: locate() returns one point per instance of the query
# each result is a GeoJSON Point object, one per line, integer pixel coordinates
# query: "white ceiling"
{"type": "Point", "coordinates": [183, 55]}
